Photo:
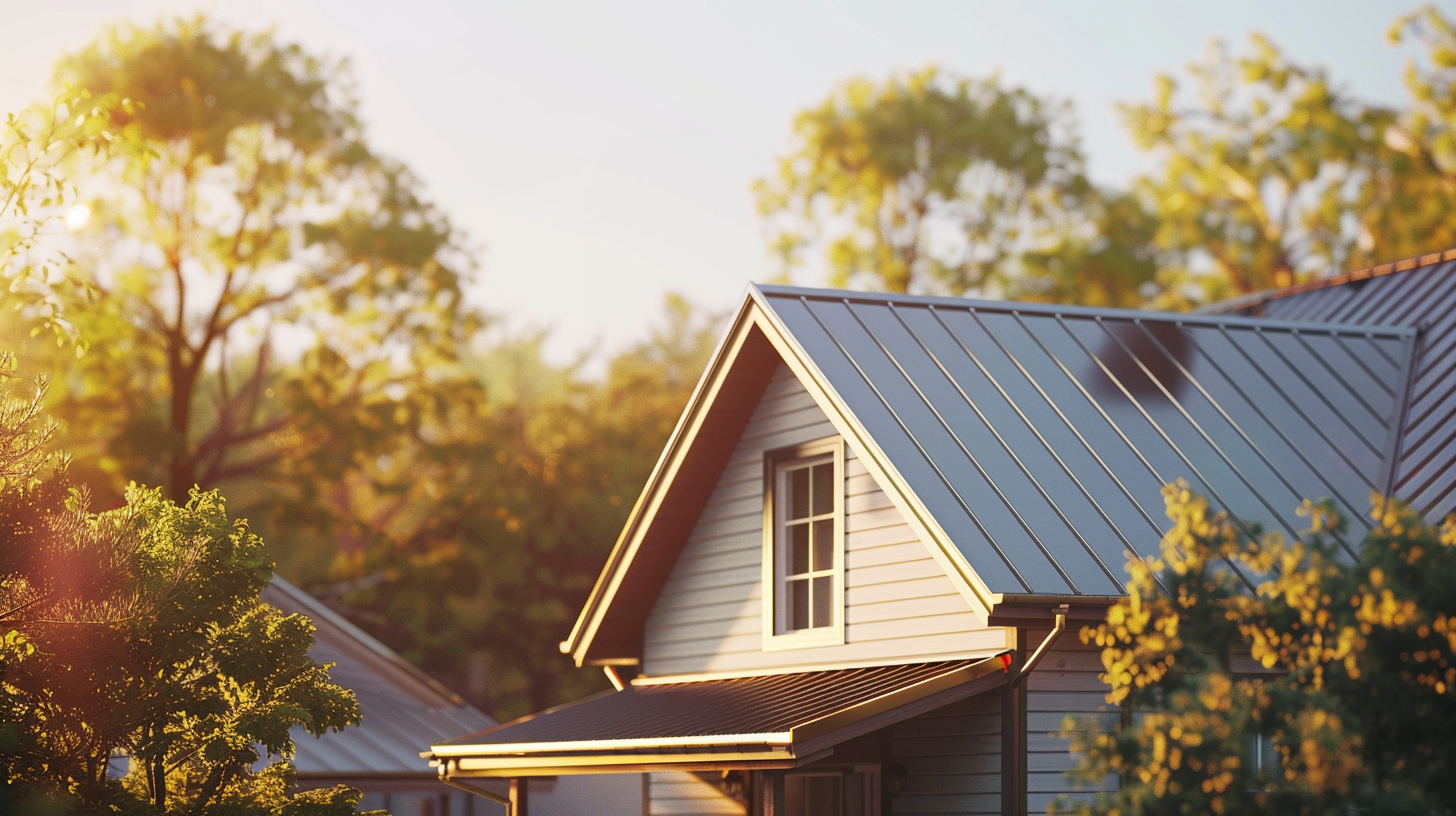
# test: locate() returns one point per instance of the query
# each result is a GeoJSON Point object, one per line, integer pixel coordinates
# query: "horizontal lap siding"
{"type": "Point", "coordinates": [1064, 685]}
{"type": "Point", "coordinates": [953, 756]}
{"type": "Point", "coordinates": [899, 602]}
{"type": "Point", "coordinates": [678, 793]}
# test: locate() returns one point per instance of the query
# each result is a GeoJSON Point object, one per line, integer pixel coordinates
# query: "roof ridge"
{"type": "Point", "coordinates": [1197, 317]}
{"type": "Point", "coordinates": [1379, 270]}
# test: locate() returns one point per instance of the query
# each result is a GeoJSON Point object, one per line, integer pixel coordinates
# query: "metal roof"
{"type": "Point", "coordinates": [1039, 437]}
{"type": "Point", "coordinates": [780, 716]}
{"type": "Point", "coordinates": [1417, 293]}
{"type": "Point", "coordinates": [403, 710]}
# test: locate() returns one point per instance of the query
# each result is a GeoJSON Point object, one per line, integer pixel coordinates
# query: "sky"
{"type": "Point", "coordinates": [600, 155]}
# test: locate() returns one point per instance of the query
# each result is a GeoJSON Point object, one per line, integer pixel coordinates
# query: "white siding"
{"type": "Point", "coordinates": [953, 756]}
{"type": "Point", "coordinates": [678, 793]}
{"type": "Point", "coordinates": [1064, 685]}
{"type": "Point", "coordinates": [900, 604]}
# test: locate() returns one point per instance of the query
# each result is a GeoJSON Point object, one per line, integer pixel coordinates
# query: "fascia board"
{"type": "Point", "coordinates": [653, 493]}
{"type": "Point", "coordinates": [950, 558]}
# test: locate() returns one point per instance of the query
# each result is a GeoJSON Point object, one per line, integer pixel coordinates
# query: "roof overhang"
{"type": "Point", "coordinates": [761, 722]}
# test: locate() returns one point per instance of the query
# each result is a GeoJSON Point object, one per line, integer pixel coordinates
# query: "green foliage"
{"type": "Point", "coordinates": [930, 182]}
{"type": "Point", "coordinates": [34, 146]}
{"type": "Point", "coordinates": [534, 479]}
{"type": "Point", "coordinates": [1347, 668]}
{"type": "Point", "coordinates": [1271, 173]}
{"type": "Point", "coordinates": [139, 631]}
{"type": "Point", "coordinates": [242, 211]}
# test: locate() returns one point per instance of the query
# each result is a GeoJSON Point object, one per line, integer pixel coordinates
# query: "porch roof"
{"type": "Point", "coordinates": [764, 721]}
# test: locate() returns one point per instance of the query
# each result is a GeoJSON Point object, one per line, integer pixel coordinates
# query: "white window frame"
{"type": "Point", "coordinates": [777, 464]}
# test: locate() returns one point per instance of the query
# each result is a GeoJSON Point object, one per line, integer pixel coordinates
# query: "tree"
{"type": "Point", "coordinates": [245, 240]}
{"type": "Point", "coordinates": [540, 477]}
{"type": "Point", "coordinates": [140, 630]}
{"type": "Point", "coordinates": [1270, 173]}
{"type": "Point", "coordinates": [1357, 692]}
{"type": "Point", "coordinates": [930, 182]}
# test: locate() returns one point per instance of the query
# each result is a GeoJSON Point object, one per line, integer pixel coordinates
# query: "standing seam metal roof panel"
{"type": "Point", "coordinates": [1424, 297]}
{"type": "Point", "coordinates": [1039, 438]}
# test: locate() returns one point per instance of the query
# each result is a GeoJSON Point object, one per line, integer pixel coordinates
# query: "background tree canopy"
{"type": "Point", "coordinates": [268, 306]}
{"type": "Point", "coordinates": [1266, 173]}
{"type": "Point", "coordinates": [272, 308]}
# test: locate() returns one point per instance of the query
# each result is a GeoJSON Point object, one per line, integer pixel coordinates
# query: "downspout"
{"type": "Point", "coordinates": [1046, 645]}
{"type": "Point", "coordinates": [481, 792]}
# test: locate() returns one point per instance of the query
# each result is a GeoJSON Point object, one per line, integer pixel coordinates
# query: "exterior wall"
{"type": "Point", "coordinates": [1065, 684]}
{"type": "Point", "coordinates": [953, 756]}
{"type": "Point", "coordinates": [678, 793]}
{"type": "Point", "coordinates": [899, 603]}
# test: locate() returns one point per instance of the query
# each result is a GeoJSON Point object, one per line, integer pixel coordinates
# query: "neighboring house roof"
{"type": "Point", "coordinates": [403, 710]}
{"type": "Point", "coordinates": [770, 720]}
{"type": "Point", "coordinates": [1029, 444]}
{"type": "Point", "coordinates": [1418, 293]}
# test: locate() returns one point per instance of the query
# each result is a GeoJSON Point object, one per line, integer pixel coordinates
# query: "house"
{"type": "Point", "coordinates": [847, 586]}
{"type": "Point", "coordinates": [403, 709]}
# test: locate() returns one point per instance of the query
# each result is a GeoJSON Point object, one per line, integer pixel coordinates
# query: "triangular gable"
{"type": "Point", "coordinates": [609, 629]}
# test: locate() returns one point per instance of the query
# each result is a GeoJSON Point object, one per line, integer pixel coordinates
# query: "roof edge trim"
{"type": "Point", "coordinates": [1404, 265]}
{"type": "Point", "coordinates": [589, 619]}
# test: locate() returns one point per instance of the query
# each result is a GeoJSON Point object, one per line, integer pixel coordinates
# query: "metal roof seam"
{"type": "Point", "coordinates": [1010, 451]}
{"type": "Point", "coordinates": [1072, 428]}
{"type": "Point", "coordinates": [1031, 427]}
{"type": "Point", "coordinates": [1010, 506]}
{"type": "Point", "coordinates": [959, 499]}
{"type": "Point", "coordinates": [1319, 393]}
{"type": "Point", "coordinates": [1295, 406]}
{"type": "Point", "coordinates": [1397, 424]}
{"type": "Point", "coordinates": [1254, 406]}
{"type": "Point", "coordinates": [1334, 372]}
{"type": "Point", "coordinates": [1344, 345]}
{"type": "Point", "coordinates": [1177, 450]}
{"type": "Point", "coordinates": [1229, 460]}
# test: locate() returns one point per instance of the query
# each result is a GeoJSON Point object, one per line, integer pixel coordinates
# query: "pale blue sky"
{"type": "Point", "coordinates": [601, 154]}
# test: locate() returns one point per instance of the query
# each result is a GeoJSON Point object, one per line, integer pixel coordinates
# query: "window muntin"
{"type": "Point", "coordinates": [803, 546]}
{"type": "Point", "coordinates": [808, 543]}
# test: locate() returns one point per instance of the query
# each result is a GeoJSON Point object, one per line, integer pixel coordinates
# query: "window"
{"type": "Point", "coordinates": [853, 792]}
{"type": "Point", "coordinates": [803, 545]}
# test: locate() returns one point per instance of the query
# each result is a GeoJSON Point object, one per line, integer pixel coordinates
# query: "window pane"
{"type": "Point", "coordinates": [798, 549]}
{"type": "Point", "coordinates": [798, 611]}
{"type": "Point", "coordinates": [824, 544]}
{"type": "Point", "coordinates": [824, 488]}
{"type": "Point", "coordinates": [798, 493]}
{"type": "Point", "coordinates": [824, 601]}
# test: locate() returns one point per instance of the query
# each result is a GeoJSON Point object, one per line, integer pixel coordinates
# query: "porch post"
{"type": "Point", "coordinates": [519, 797]}
{"type": "Point", "coordinates": [772, 799]}
{"type": "Point", "coordinates": [1013, 736]}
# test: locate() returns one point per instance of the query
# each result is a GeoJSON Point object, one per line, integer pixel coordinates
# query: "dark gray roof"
{"type": "Point", "coordinates": [1039, 437]}
{"type": "Point", "coordinates": [404, 711]}
{"type": "Point", "coordinates": [732, 711]}
{"type": "Point", "coordinates": [1419, 296]}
